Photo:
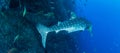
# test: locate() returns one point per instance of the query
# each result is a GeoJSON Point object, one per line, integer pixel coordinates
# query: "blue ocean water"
{"type": "Point", "coordinates": [103, 14]}
{"type": "Point", "coordinates": [105, 18]}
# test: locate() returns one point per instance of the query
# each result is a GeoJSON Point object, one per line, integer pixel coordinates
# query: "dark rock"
{"type": "Point", "coordinates": [46, 12]}
{"type": "Point", "coordinates": [28, 40]}
{"type": "Point", "coordinates": [60, 43]}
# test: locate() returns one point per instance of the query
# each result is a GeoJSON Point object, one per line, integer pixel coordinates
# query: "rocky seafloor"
{"type": "Point", "coordinates": [18, 33]}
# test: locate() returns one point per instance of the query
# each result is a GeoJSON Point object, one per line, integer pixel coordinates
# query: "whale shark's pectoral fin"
{"type": "Point", "coordinates": [69, 30]}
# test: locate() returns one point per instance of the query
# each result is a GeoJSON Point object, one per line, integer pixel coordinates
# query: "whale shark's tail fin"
{"type": "Point", "coordinates": [43, 30]}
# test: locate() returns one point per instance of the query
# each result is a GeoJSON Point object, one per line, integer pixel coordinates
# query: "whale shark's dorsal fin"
{"type": "Point", "coordinates": [73, 16]}
{"type": "Point", "coordinates": [58, 23]}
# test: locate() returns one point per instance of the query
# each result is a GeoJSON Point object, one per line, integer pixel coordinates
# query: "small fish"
{"type": "Point", "coordinates": [16, 38]}
{"type": "Point", "coordinates": [24, 12]}
{"type": "Point", "coordinates": [49, 14]}
{"type": "Point", "coordinates": [72, 25]}
{"type": "Point", "coordinates": [51, 2]}
{"type": "Point", "coordinates": [13, 50]}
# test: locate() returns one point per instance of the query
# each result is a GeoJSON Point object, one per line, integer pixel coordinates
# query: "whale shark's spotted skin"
{"type": "Point", "coordinates": [72, 25]}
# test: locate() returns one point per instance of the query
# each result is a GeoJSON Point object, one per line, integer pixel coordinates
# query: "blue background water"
{"type": "Point", "coordinates": [105, 17]}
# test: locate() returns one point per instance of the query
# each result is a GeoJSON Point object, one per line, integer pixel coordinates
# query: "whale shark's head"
{"type": "Point", "coordinates": [89, 27]}
{"type": "Point", "coordinates": [86, 24]}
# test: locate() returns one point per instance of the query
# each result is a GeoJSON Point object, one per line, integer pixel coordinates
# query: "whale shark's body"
{"type": "Point", "coordinates": [72, 25]}
{"type": "Point", "coordinates": [78, 24]}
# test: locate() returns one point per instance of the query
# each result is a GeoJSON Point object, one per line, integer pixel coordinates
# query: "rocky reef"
{"type": "Point", "coordinates": [18, 33]}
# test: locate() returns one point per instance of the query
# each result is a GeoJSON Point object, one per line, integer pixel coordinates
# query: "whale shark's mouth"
{"type": "Point", "coordinates": [90, 29]}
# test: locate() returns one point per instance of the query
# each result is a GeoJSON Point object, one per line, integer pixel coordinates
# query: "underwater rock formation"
{"type": "Point", "coordinates": [60, 43]}
{"type": "Point", "coordinates": [18, 33]}
{"type": "Point", "coordinates": [28, 39]}
{"type": "Point", "coordinates": [4, 4]}
{"type": "Point", "coordinates": [13, 26]}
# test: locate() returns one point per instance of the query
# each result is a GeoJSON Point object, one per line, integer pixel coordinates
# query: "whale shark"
{"type": "Point", "coordinates": [72, 25]}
